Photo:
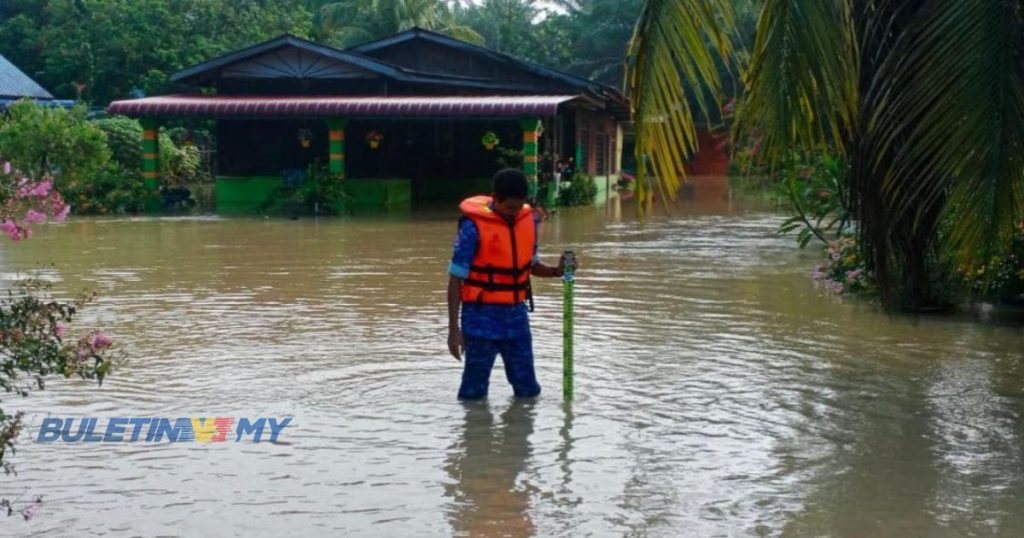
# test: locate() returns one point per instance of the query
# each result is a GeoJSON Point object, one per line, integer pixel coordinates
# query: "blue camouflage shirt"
{"type": "Point", "coordinates": [486, 321]}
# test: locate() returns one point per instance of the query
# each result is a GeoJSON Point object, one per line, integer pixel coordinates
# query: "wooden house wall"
{"type": "Point", "coordinates": [601, 139]}
{"type": "Point", "coordinates": [427, 57]}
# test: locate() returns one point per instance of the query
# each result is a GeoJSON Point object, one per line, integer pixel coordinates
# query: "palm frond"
{"type": "Point", "coordinates": [959, 120]}
{"type": "Point", "coordinates": [464, 33]}
{"type": "Point", "coordinates": [802, 82]}
{"type": "Point", "coordinates": [675, 46]}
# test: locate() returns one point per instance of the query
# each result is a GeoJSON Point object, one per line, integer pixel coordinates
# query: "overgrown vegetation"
{"type": "Point", "coordinates": [581, 191]}
{"type": "Point", "coordinates": [317, 192]}
{"type": "Point", "coordinates": [101, 50]}
{"type": "Point", "coordinates": [920, 100]}
{"type": "Point", "coordinates": [97, 165]}
{"type": "Point", "coordinates": [35, 343]}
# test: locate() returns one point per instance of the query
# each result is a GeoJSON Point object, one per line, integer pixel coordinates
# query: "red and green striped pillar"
{"type": "Point", "coordinates": [336, 135]}
{"type": "Point", "coordinates": [151, 154]}
{"type": "Point", "coordinates": [531, 152]}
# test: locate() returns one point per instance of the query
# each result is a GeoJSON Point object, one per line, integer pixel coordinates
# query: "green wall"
{"type": "Point", "coordinates": [603, 187]}
{"type": "Point", "coordinates": [453, 190]}
{"type": "Point", "coordinates": [379, 193]}
{"type": "Point", "coordinates": [241, 195]}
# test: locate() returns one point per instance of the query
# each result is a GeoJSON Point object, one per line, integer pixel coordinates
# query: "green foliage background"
{"type": "Point", "coordinates": [101, 50]}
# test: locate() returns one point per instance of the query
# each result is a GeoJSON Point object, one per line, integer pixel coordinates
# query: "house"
{"type": "Point", "coordinates": [16, 85]}
{"type": "Point", "coordinates": [409, 118]}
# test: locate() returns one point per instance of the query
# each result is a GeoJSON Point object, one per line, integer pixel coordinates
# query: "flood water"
{"type": "Point", "coordinates": [718, 392]}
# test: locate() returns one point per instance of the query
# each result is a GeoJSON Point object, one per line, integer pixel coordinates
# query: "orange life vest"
{"type": "Point", "coordinates": [500, 273]}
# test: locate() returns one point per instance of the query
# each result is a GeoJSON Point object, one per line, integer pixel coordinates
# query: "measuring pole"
{"type": "Point", "coordinates": [568, 279]}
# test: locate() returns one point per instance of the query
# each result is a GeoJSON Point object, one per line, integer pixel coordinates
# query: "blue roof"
{"type": "Point", "coordinates": [15, 83]}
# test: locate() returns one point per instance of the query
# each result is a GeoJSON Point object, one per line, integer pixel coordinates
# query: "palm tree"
{"type": "Point", "coordinates": [924, 99]}
{"type": "Point", "coordinates": [601, 30]}
{"type": "Point", "coordinates": [506, 25]}
{"type": "Point", "coordinates": [349, 22]}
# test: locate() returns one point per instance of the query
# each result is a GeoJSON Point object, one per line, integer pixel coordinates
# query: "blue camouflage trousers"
{"type": "Point", "coordinates": [517, 357]}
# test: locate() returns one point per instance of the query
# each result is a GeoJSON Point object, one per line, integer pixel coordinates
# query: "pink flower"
{"type": "Point", "coordinates": [101, 341]}
{"type": "Point", "coordinates": [35, 217]}
{"type": "Point", "coordinates": [7, 168]}
{"type": "Point", "coordinates": [42, 188]}
{"type": "Point", "coordinates": [59, 331]}
{"type": "Point", "coordinates": [62, 214]}
{"type": "Point", "coordinates": [11, 229]}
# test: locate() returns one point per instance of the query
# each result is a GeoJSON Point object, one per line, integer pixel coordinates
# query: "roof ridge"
{"type": "Point", "coordinates": [15, 83]}
{"type": "Point", "coordinates": [437, 36]}
{"type": "Point", "coordinates": [231, 57]}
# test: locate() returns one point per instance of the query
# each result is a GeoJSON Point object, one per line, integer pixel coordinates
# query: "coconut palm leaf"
{"type": "Point", "coordinates": [351, 21]}
{"type": "Point", "coordinates": [959, 121]}
{"type": "Point", "coordinates": [801, 86]}
{"type": "Point", "coordinates": [675, 47]}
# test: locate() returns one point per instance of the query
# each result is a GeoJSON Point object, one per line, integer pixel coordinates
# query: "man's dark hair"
{"type": "Point", "coordinates": [509, 183]}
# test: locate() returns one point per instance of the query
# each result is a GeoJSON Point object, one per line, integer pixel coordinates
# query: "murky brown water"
{"type": "Point", "coordinates": [719, 393]}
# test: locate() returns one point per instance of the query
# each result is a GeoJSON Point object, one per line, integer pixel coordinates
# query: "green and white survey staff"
{"type": "Point", "coordinates": [568, 280]}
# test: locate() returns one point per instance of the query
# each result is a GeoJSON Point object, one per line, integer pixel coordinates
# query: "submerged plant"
{"type": "Point", "coordinates": [34, 339]}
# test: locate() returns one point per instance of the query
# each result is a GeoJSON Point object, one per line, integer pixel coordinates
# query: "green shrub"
{"type": "Point", "coordinates": [178, 165]}
{"type": "Point", "coordinates": [844, 270]}
{"type": "Point", "coordinates": [53, 142]}
{"type": "Point", "coordinates": [114, 190]}
{"type": "Point", "coordinates": [124, 139]}
{"type": "Point", "coordinates": [318, 193]}
{"type": "Point", "coordinates": [1001, 279]}
{"type": "Point", "coordinates": [581, 191]}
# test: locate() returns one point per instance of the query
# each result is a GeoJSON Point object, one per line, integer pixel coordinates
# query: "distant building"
{"type": "Point", "coordinates": [16, 85]}
{"type": "Point", "coordinates": [413, 117]}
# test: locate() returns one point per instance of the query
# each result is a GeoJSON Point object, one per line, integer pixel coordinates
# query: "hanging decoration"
{"type": "Point", "coordinates": [374, 138]}
{"type": "Point", "coordinates": [490, 140]}
{"type": "Point", "coordinates": [305, 138]}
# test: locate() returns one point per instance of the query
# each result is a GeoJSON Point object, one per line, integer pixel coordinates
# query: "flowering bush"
{"type": "Point", "coordinates": [626, 183]}
{"type": "Point", "coordinates": [34, 340]}
{"type": "Point", "coordinates": [1002, 278]}
{"type": "Point", "coordinates": [24, 202]}
{"type": "Point", "coordinates": [843, 270]}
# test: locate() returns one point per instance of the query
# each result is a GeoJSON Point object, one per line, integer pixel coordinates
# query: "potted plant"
{"type": "Point", "coordinates": [373, 138]}
{"type": "Point", "coordinates": [490, 140]}
{"type": "Point", "coordinates": [305, 138]}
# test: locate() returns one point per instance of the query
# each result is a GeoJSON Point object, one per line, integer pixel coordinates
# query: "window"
{"type": "Point", "coordinates": [584, 153]}
{"type": "Point", "coordinates": [602, 154]}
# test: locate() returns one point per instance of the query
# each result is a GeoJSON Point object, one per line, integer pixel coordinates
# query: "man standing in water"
{"type": "Point", "coordinates": [495, 255]}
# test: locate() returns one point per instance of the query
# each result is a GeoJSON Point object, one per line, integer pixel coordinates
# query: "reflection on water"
{"type": "Point", "coordinates": [484, 467]}
{"type": "Point", "coordinates": [718, 393]}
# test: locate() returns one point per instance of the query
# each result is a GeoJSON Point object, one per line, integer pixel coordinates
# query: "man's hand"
{"type": "Point", "coordinates": [561, 265]}
{"type": "Point", "coordinates": [456, 343]}
{"type": "Point", "coordinates": [544, 270]}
